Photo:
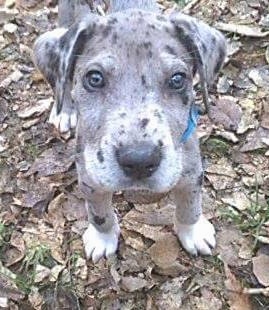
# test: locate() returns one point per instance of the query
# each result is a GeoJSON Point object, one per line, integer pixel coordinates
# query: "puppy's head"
{"type": "Point", "coordinates": [130, 76]}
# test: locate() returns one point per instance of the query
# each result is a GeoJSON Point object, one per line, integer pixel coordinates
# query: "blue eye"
{"type": "Point", "coordinates": [93, 79]}
{"type": "Point", "coordinates": [177, 81]}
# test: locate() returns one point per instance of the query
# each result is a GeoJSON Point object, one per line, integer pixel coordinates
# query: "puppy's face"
{"type": "Point", "coordinates": [130, 78]}
{"type": "Point", "coordinates": [132, 86]}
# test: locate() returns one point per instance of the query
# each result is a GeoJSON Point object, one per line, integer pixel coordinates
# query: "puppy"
{"type": "Point", "coordinates": [125, 81]}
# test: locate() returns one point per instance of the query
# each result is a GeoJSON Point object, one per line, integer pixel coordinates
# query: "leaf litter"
{"type": "Point", "coordinates": [42, 215]}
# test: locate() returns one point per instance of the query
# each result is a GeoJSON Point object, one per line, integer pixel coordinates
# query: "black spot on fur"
{"type": "Point", "coordinates": [204, 47]}
{"type": "Point", "coordinates": [79, 147]}
{"type": "Point", "coordinates": [112, 21]}
{"type": "Point", "coordinates": [114, 38]}
{"type": "Point", "coordinates": [157, 114]}
{"type": "Point", "coordinates": [144, 123]}
{"type": "Point", "coordinates": [122, 115]}
{"type": "Point", "coordinates": [200, 179]}
{"type": "Point", "coordinates": [185, 97]}
{"type": "Point", "coordinates": [160, 18]}
{"type": "Point", "coordinates": [88, 187]}
{"type": "Point", "coordinates": [170, 50]}
{"type": "Point", "coordinates": [147, 45]}
{"type": "Point", "coordinates": [100, 156]}
{"type": "Point", "coordinates": [106, 31]}
{"type": "Point", "coordinates": [143, 79]}
{"type": "Point", "coordinates": [99, 220]}
{"type": "Point", "coordinates": [160, 143]}
{"type": "Point", "coordinates": [220, 60]}
{"type": "Point", "coordinates": [152, 26]}
{"type": "Point", "coordinates": [137, 51]}
{"type": "Point", "coordinates": [150, 54]}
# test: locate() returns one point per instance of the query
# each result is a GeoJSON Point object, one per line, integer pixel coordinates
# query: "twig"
{"type": "Point", "coordinates": [189, 6]}
{"type": "Point", "coordinates": [256, 291]}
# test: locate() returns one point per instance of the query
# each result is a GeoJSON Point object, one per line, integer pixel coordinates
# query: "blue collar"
{"type": "Point", "coordinates": [192, 123]}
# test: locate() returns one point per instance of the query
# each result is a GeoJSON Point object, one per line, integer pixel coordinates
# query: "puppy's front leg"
{"type": "Point", "coordinates": [101, 237]}
{"type": "Point", "coordinates": [195, 232]}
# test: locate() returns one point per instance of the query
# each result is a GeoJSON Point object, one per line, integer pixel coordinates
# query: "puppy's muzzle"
{"type": "Point", "coordinates": [139, 161]}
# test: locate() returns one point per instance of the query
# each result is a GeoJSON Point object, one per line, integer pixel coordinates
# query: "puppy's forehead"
{"type": "Point", "coordinates": [135, 31]}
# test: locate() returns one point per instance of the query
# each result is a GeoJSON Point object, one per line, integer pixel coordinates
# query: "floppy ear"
{"type": "Point", "coordinates": [206, 45]}
{"type": "Point", "coordinates": [55, 54]}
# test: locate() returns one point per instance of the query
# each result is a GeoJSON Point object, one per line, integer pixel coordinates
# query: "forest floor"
{"type": "Point", "coordinates": [42, 262]}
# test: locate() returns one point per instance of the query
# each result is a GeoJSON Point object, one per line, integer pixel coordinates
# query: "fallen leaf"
{"type": "Point", "coordinates": [55, 211]}
{"type": "Point", "coordinates": [132, 284]}
{"type": "Point", "coordinates": [256, 139]}
{"type": "Point", "coordinates": [35, 299]}
{"type": "Point", "coordinates": [161, 216]}
{"type": "Point", "coordinates": [38, 196]}
{"type": "Point", "coordinates": [13, 77]}
{"type": "Point", "coordinates": [244, 30]}
{"type": "Point", "coordinates": [165, 251]}
{"type": "Point", "coordinates": [41, 272]}
{"type": "Point", "coordinates": [248, 119]}
{"type": "Point", "coordinates": [57, 159]}
{"type": "Point", "coordinates": [222, 167]}
{"type": "Point", "coordinates": [55, 272]}
{"type": "Point", "coordinates": [260, 76]}
{"type": "Point", "coordinates": [74, 208]}
{"type": "Point", "coordinates": [261, 268]}
{"type": "Point", "coordinates": [170, 294]}
{"type": "Point", "coordinates": [41, 107]}
{"type": "Point", "coordinates": [229, 244]}
{"type": "Point", "coordinates": [226, 112]}
{"type": "Point", "coordinates": [237, 299]}
{"type": "Point", "coordinates": [238, 200]}
{"type": "Point", "coordinates": [133, 239]}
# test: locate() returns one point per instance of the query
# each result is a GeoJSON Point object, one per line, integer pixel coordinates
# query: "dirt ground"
{"type": "Point", "coordinates": [42, 263]}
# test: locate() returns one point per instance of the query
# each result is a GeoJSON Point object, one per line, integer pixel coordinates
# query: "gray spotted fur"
{"type": "Point", "coordinates": [138, 49]}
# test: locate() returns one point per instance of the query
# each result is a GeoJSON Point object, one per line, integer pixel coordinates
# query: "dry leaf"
{"type": "Point", "coordinates": [244, 30]}
{"type": "Point", "coordinates": [41, 106]}
{"type": "Point", "coordinates": [237, 299]}
{"type": "Point", "coordinates": [57, 159]}
{"type": "Point", "coordinates": [132, 284]}
{"type": "Point", "coordinates": [229, 244]}
{"type": "Point", "coordinates": [41, 272]}
{"type": "Point", "coordinates": [255, 140]}
{"type": "Point", "coordinates": [170, 295]}
{"type": "Point", "coordinates": [165, 251]}
{"type": "Point", "coordinates": [261, 268]}
{"type": "Point", "coordinates": [238, 200]}
{"type": "Point", "coordinates": [260, 76]}
{"type": "Point", "coordinates": [226, 112]}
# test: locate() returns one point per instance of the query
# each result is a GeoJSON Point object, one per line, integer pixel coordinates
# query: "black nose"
{"type": "Point", "coordinates": [139, 161]}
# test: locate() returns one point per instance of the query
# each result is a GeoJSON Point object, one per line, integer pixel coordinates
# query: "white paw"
{"type": "Point", "coordinates": [63, 121]}
{"type": "Point", "coordinates": [197, 238]}
{"type": "Point", "coordinates": [98, 244]}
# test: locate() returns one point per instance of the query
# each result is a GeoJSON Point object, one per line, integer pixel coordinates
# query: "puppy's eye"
{"type": "Point", "coordinates": [94, 79]}
{"type": "Point", "coordinates": [177, 81]}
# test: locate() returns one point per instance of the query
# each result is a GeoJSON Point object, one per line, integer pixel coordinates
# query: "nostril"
{"type": "Point", "coordinates": [140, 160]}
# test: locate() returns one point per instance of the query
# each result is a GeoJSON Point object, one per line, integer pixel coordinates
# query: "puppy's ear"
{"type": "Point", "coordinates": [55, 54]}
{"type": "Point", "coordinates": [206, 46]}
